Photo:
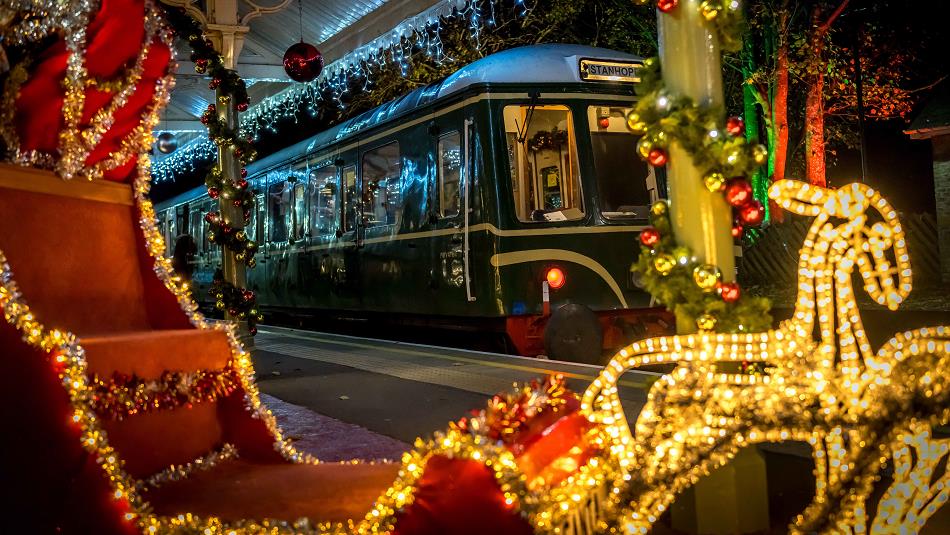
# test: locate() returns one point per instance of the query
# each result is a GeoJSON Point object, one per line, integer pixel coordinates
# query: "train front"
{"type": "Point", "coordinates": [573, 195]}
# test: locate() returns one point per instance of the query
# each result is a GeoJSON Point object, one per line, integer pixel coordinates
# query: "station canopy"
{"type": "Point", "coordinates": [343, 30]}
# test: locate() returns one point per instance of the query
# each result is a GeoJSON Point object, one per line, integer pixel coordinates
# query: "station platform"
{"type": "Point", "coordinates": [400, 389]}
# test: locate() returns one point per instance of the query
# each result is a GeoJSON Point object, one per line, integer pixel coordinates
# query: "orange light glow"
{"type": "Point", "coordinates": [556, 278]}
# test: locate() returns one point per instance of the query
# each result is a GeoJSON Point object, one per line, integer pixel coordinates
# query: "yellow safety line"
{"type": "Point", "coordinates": [631, 384]}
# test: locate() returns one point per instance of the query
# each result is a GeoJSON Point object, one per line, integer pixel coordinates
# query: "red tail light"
{"type": "Point", "coordinates": [555, 278]}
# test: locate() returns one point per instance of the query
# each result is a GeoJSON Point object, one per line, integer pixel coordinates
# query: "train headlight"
{"type": "Point", "coordinates": [555, 277]}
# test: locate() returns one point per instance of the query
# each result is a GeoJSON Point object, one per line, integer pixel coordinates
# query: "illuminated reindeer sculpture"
{"type": "Point", "coordinates": [856, 408]}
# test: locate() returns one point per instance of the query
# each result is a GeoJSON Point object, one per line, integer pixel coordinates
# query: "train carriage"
{"type": "Point", "coordinates": [505, 198]}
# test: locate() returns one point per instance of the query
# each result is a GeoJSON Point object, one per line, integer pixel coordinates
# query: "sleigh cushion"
{"type": "Point", "coordinates": [239, 489]}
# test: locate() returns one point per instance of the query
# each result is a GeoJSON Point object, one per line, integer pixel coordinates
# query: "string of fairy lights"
{"type": "Point", "coordinates": [416, 37]}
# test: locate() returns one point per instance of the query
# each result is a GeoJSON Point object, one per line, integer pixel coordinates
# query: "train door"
{"type": "Point", "coordinates": [447, 276]}
{"type": "Point", "coordinates": [346, 278]}
{"type": "Point", "coordinates": [383, 256]}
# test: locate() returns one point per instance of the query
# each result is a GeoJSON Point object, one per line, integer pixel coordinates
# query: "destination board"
{"type": "Point", "coordinates": [611, 71]}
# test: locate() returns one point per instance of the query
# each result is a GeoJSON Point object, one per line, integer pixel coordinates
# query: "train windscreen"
{"type": "Point", "coordinates": [542, 152]}
{"type": "Point", "coordinates": [626, 184]}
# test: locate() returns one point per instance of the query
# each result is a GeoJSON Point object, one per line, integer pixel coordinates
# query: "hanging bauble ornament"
{"type": "Point", "coordinates": [635, 124]}
{"type": "Point", "coordinates": [714, 181]}
{"type": "Point", "coordinates": [752, 214]}
{"type": "Point", "coordinates": [657, 157]}
{"type": "Point", "coordinates": [738, 191]}
{"type": "Point", "coordinates": [737, 230]}
{"type": "Point", "coordinates": [667, 5]}
{"type": "Point", "coordinates": [709, 9]}
{"type": "Point", "coordinates": [303, 62]}
{"type": "Point", "coordinates": [729, 291]}
{"type": "Point", "coordinates": [706, 322]}
{"type": "Point", "coordinates": [660, 208]}
{"type": "Point", "coordinates": [649, 236]}
{"type": "Point", "coordinates": [706, 276]}
{"type": "Point", "coordinates": [166, 143]}
{"type": "Point", "coordinates": [664, 263]}
{"type": "Point", "coordinates": [644, 146]}
{"type": "Point", "coordinates": [735, 126]}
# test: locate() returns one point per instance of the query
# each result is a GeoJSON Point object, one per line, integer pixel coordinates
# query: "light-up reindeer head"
{"type": "Point", "coordinates": [854, 226]}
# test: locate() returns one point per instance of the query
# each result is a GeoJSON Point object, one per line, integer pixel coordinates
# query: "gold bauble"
{"type": "Point", "coordinates": [660, 208]}
{"type": "Point", "coordinates": [706, 277]}
{"type": "Point", "coordinates": [664, 263]}
{"type": "Point", "coordinates": [714, 181]}
{"type": "Point", "coordinates": [709, 9]}
{"type": "Point", "coordinates": [760, 154]}
{"type": "Point", "coordinates": [635, 123]}
{"type": "Point", "coordinates": [644, 146]}
{"type": "Point", "coordinates": [706, 322]}
{"type": "Point", "coordinates": [681, 254]}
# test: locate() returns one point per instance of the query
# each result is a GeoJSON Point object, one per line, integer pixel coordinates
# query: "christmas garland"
{"type": "Point", "coordinates": [723, 16]}
{"type": "Point", "coordinates": [178, 472]}
{"type": "Point", "coordinates": [693, 290]}
{"type": "Point", "coordinates": [239, 302]}
{"type": "Point", "coordinates": [126, 395]}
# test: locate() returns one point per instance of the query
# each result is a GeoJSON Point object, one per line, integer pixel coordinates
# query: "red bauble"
{"type": "Point", "coordinates": [241, 106]}
{"type": "Point", "coordinates": [667, 5]}
{"type": "Point", "coordinates": [735, 126]}
{"type": "Point", "coordinates": [604, 122]}
{"type": "Point", "coordinates": [657, 157]}
{"type": "Point", "coordinates": [752, 214]}
{"type": "Point", "coordinates": [738, 191]}
{"type": "Point", "coordinates": [244, 172]}
{"type": "Point", "coordinates": [649, 236]}
{"type": "Point", "coordinates": [729, 291]}
{"type": "Point", "coordinates": [213, 193]}
{"type": "Point", "coordinates": [303, 62]}
{"type": "Point", "coordinates": [214, 83]}
{"type": "Point", "coordinates": [243, 184]}
{"type": "Point", "coordinates": [737, 230]}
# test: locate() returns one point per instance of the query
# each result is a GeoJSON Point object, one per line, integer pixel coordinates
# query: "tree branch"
{"type": "Point", "coordinates": [831, 19]}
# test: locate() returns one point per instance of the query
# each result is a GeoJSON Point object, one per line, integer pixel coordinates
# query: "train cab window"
{"type": "Point", "coordinates": [278, 206]}
{"type": "Point", "coordinates": [625, 183]}
{"type": "Point", "coordinates": [351, 199]}
{"type": "Point", "coordinates": [450, 173]}
{"type": "Point", "coordinates": [324, 200]}
{"type": "Point", "coordinates": [542, 153]}
{"type": "Point", "coordinates": [382, 190]}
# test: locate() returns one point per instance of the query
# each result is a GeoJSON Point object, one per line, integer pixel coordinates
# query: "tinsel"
{"type": "Point", "coordinates": [123, 395]}
{"type": "Point", "coordinates": [177, 472]}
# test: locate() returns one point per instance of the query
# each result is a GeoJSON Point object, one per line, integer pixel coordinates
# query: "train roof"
{"type": "Point", "coordinates": [535, 64]}
{"type": "Point", "coordinates": [527, 65]}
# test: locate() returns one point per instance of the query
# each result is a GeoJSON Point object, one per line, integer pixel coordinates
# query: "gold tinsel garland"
{"type": "Point", "coordinates": [176, 472]}
{"type": "Point", "coordinates": [123, 395]}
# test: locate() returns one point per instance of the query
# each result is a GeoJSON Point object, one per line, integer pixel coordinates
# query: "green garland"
{"type": "Point", "coordinates": [240, 303]}
{"type": "Point", "coordinates": [690, 289]}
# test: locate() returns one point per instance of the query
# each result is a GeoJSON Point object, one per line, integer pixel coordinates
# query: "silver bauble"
{"type": "Point", "coordinates": [167, 143]}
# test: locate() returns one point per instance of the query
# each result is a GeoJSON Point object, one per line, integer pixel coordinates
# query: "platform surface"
{"type": "Point", "coordinates": [400, 389]}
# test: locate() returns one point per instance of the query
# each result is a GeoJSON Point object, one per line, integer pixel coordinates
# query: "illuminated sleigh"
{"type": "Point", "coordinates": [856, 408]}
{"type": "Point", "coordinates": [126, 411]}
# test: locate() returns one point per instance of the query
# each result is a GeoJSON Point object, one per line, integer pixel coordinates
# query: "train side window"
{"type": "Point", "coordinates": [382, 188]}
{"type": "Point", "coordinates": [195, 228]}
{"type": "Point", "coordinates": [450, 173]}
{"type": "Point", "coordinates": [298, 223]}
{"type": "Point", "coordinates": [278, 203]}
{"type": "Point", "coordinates": [351, 200]}
{"type": "Point", "coordinates": [261, 210]}
{"type": "Point", "coordinates": [251, 228]}
{"type": "Point", "coordinates": [542, 152]}
{"type": "Point", "coordinates": [324, 200]}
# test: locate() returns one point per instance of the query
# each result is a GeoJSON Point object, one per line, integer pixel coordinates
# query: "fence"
{"type": "Point", "coordinates": [773, 257]}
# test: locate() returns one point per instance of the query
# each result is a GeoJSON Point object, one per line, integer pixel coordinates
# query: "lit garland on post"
{"type": "Point", "coordinates": [240, 303]}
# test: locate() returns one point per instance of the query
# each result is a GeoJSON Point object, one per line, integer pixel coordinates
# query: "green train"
{"type": "Point", "coordinates": [506, 199]}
